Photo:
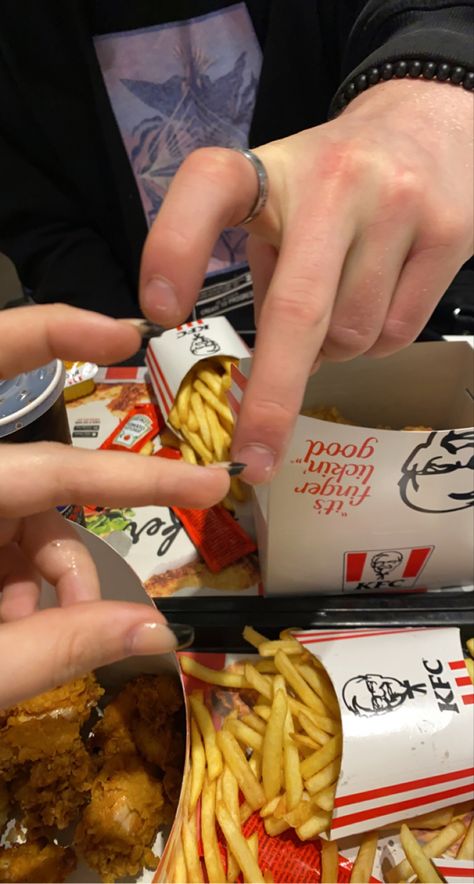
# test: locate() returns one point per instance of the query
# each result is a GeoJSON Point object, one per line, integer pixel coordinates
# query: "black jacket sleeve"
{"type": "Point", "coordinates": [373, 32]}
{"type": "Point", "coordinates": [57, 254]}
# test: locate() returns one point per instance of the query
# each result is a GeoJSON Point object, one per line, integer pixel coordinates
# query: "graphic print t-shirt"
{"type": "Point", "coordinates": [178, 86]}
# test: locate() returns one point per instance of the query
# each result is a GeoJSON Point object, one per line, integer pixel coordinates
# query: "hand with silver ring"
{"type": "Point", "coordinates": [367, 220]}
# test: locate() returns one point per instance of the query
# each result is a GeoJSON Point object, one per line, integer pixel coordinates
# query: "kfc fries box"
{"type": "Point", "coordinates": [361, 509]}
{"type": "Point", "coordinates": [118, 582]}
{"type": "Point", "coordinates": [175, 352]}
{"type": "Point", "coordinates": [407, 711]}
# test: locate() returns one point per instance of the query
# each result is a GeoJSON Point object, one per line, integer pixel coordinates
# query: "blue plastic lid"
{"type": "Point", "coordinates": [24, 398]}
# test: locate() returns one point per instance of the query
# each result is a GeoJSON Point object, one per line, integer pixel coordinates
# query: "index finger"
{"type": "Point", "coordinates": [293, 323]}
{"type": "Point", "coordinates": [33, 336]}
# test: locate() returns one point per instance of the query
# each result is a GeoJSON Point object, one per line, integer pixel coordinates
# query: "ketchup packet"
{"type": "Point", "coordinates": [139, 425]}
{"type": "Point", "coordinates": [219, 538]}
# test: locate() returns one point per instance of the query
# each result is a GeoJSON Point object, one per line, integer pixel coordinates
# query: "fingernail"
{"type": "Point", "coordinates": [159, 638]}
{"type": "Point", "coordinates": [232, 466]}
{"type": "Point", "coordinates": [159, 298]}
{"type": "Point", "coordinates": [146, 328]}
{"type": "Point", "coordinates": [259, 463]}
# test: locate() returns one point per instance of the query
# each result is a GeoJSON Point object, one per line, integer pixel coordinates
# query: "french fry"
{"type": "Point", "coordinates": [297, 682]}
{"type": "Point", "coordinates": [253, 637]}
{"type": "Point", "coordinates": [304, 741]}
{"type": "Point", "coordinates": [212, 859]}
{"type": "Point", "coordinates": [204, 720]}
{"type": "Point", "coordinates": [173, 417]}
{"type": "Point", "coordinates": [324, 777]}
{"type": "Point", "coordinates": [438, 845]}
{"type": "Point", "coordinates": [265, 666]}
{"type": "Point", "coordinates": [300, 814]}
{"type": "Point", "coordinates": [268, 877]}
{"type": "Point", "coordinates": [245, 812]}
{"type": "Point", "coordinates": [322, 757]}
{"type": "Point", "coordinates": [272, 751]}
{"type": "Point", "coordinates": [180, 873]}
{"type": "Point", "coordinates": [220, 438]}
{"type": "Point", "coordinates": [241, 769]}
{"type": "Point", "coordinates": [263, 711]}
{"type": "Point", "coordinates": [193, 423]}
{"type": "Point", "coordinates": [253, 845]}
{"type": "Point", "coordinates": [269, 808]}
{"type": "Point", "coordinates": [183, 398]}
{"type": "Point", "coordinates": [327, 724]}
{"type": "Point", "coordinates": [257, 681]}
{"type": "Point", "coordinates": [275, 827]}
{"type": "Point", "coordinates": [364, 863]}
{"type": "Point", "coordinates": [196, 442]}
{"type": "Point", "coordinates": [255, 762]}
{"type": "Point", "coordinates": [325, 798]}
{"type": "Point", "coordinates": [191, 856]}
{"type": "Point", "coordinates": [321, 685]}
{"type": "Point", "coordinates": [253, 721]}
{"type": "Point", "coordinates": [317, 823]}
{"type": "Point", "coordinates": [237, 489]}
{"type": "Point", "coordinates": [421, 865]}
{"type": "Point", "coordinates": [187, 453]}
{"type": "Point", "coordinates": [470, 646]}
{"type": "Point", "coordinates": [329, 862]}
{"type": "Point", "coordinates": [246, 735]}
{"type": "Point", "coordinates": [290, 647]}
{"type": "Point", "coordinates": [291, 765]}
{"type": "Point", "coordinates": [316, 734]}
{"type": "Point", "coordinates": [198, 766]}
{"type": "Point", "coordinates": [198, 409]}
{"type": "Point", "coordinates": [470, 667]}
{"type": "Point", "coordinates": [210, 378]}
{"type": "Point", "coordinates": [222, 408]}
{"type": "Point", "coordinates": [240, 848]}
{"type": "Point", "coordinates": [211, 676]}
{"type": "Point", "coordinates": [466, 851]}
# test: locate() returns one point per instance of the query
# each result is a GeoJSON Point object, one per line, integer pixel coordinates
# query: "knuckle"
{"type": "Point", "coordinates": [300, 309]}
{"type": "Point", "coordinates": [268, 414]}
{"type": "Point", "coordinates": [211, 163]}
{"type": "Point", "coordinates": [396, 334]}
{"type": "Point", "coordinates": [402, 188]}
{"type": "Point", "coordinates": [348, 341]}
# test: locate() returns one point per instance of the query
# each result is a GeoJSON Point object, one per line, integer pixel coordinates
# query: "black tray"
{"type": "Point", "coordinates": [218, 622]}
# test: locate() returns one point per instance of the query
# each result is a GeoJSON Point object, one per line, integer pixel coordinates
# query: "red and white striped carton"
{"type": "Point", "coordinates": [455, 871]}
{"type": "Point", "coordinates": [407, 708]}
{"type": "Point", "coordinates": [355, 508]}
{"type": "Point", "coordinates": [175, 352]}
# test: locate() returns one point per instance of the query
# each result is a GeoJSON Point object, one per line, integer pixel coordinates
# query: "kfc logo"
{"type": "Point", "coordinates": [369, 695]}
{"type": "Point", "coordinates": [200, 345]}
{"type": "Point", "coordinates": [396, 569]}
{"type": "Point", "coordinates": [438, 475]}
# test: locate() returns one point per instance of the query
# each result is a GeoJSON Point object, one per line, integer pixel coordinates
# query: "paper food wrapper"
{"type": "Point", "coordinates": [175, 352]}
{"type": "Point", "coordinates": [119, 582]}
{"type": "Point", "coordinates": [407, 708]}
{"type": "Point", "coordinates": [355, 509]}
{"type": "Point", "coordinates": [455, 871]}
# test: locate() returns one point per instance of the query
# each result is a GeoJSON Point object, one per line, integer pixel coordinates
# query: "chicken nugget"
{"type": "Point", "coordinates": [36, 861]}
{"type": "Point", "coordinates": [51, 791]}
{"type": "Point", "coordinates": [118, 827]}
{"type": "Point", "coordinates": [47, 724]}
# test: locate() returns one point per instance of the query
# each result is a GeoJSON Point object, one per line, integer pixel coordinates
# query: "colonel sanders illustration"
{"type": "Point", "coordinates": [438, 475]}
{"type": "Point", "coordinates": [369, 695]}
{"type": "Point", "coordinates": [202, 346]}
{"type": "Point", "coordinates": [383, 563]}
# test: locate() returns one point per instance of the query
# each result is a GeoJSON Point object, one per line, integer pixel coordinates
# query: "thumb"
{"type": "Point", "coordinates": [56, 645]}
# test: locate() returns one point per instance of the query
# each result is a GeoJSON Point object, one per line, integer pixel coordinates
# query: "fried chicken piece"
{"type": "Point", "coordinates": [119, 825]}
{"type": "Point", "coordinates": [51, 791]}
{"type": "Point", "coordinates": [36, 861]}
{"type": "Point", "coordinates": [4, 805]}
{"type": "Point", "coordinates": [140, 717]}
{"type": "Point", "coordinates": [47, 724]}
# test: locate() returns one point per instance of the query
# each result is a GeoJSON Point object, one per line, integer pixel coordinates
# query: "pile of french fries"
{"type": "Point", "coordinates": [202, 417]}
{"type": "Point", "coordinates": [283, 757]}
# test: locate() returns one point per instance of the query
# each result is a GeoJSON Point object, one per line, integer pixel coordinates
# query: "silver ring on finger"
{"type": "Point", "coordinates": [262, 181]}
